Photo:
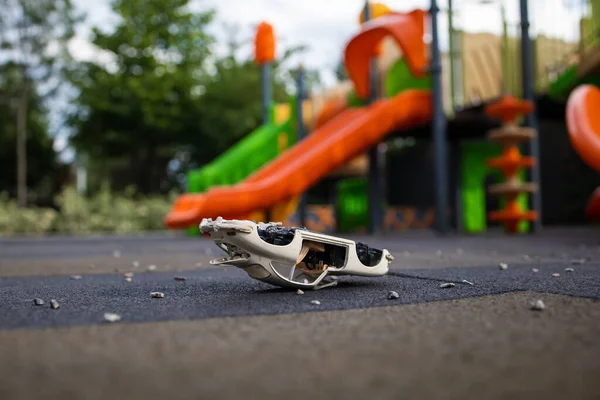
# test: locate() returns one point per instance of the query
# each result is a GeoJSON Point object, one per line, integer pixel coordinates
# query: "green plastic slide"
{"type": "Point", "coordinates": [244, 158]}
{"type": "Point", "coordinates": [237, 163]}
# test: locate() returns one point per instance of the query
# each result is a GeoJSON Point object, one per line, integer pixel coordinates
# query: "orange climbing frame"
{"type": "Point", "coordinates": [407, 29]}
{"type": "Point", "coordinates": [508, 109]}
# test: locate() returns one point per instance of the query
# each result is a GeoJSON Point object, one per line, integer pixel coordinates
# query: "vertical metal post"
{"type": "Point", "coordinates": [375, 157]}
{"type": "Point", "coordinates": [265, 81]}
{"type": "Point", "coordinates": [531, 119]}
{"type": "Point", "coordinates": [300, 134]}
{"type": "Point", "coordinates": [439, 129]}
{"type": "Point", "coordinates": [505, 51]}
{"type": "Point", "coordinates": [452, 51]}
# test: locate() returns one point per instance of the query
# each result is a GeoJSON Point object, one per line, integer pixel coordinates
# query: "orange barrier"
{"type": "Point", "coordinates": [583, 124]}
{"type": "Point", "coordinates": [293, 172]}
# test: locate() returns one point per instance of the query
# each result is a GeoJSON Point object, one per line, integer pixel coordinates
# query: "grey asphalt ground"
{"type": "Point", "coordinates": [220, 334]}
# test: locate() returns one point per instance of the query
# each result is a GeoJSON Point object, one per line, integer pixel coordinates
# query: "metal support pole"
{"type": "Point", "coordinates": [375, 157]}
{"type": "Point", "coordinates": [439, 129]}
{"type": "Point", "coordinates": [535, 199]}
{"type": "Point", "coordinates": [300, 134]}
{"type": "Point", "coordinates": [265, 81]}
{"type": "Point", "coordinates": [452, 51]}
{"type": "Point", "coordinates": [505, 51]}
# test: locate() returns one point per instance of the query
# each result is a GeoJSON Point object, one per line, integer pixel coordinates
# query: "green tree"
{"type": "Point", "coordinates": [34, 36]}
{"type": "Point", "coordinates": [166, 95]}
{"type": "Point", "coordinates": [144, 101]}
{"type": "Point", "coordinates": [231, 102]}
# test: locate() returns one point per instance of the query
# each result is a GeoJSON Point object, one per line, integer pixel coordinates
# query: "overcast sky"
{"type": "Point", "coordinates": [326, 25]}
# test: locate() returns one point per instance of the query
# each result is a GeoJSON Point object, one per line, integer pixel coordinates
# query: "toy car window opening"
{"type": "Point", "coordinates": [281, 236]}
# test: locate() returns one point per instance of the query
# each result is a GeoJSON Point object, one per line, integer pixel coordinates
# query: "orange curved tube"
{"type": "Point", "coordinates": [407, 29]}
{"type": "Point", "coordinates": [337, 142]}
{"type": "Point", "coordinates": [583, 123]}
{"type": "Point", "coordinates": [592, 210]}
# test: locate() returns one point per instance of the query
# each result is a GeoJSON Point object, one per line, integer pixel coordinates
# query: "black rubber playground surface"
{"type": "Point", "coordinates": [230, 292]}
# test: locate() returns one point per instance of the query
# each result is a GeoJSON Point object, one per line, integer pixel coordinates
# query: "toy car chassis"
{"type": "Point", "coordinates": [292, 257]}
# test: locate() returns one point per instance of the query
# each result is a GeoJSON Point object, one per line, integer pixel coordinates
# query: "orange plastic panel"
{"type": "Point", "coordinates": [592, 211]}
{"type": "Point", "coordinates": [407, 29]}
{"type": "Point", "coordinates": [264, 43]}
{"type": "Point", "coordinates": [583, 123]}
{"type": "Point", "coordinates": [293, 172]}
{"type": "Point", "coordinates": [509, 108]}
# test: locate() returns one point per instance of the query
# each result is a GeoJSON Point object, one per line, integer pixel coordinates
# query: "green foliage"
{"type": "Point", "coordinates": [165, 92]}
{"type": "Point", "coordinates": [144, 101]}
{"type": "Point", "coordinates": [103, 212]}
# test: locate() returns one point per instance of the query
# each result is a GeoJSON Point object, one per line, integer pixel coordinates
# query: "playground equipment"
{"type": "Point", "coordinates": [338, 141]}
{"type": "Point", "coordinates": [583, 123]}
{"type": "Point", "coordinates": [406, 78]}
{"type": "Point", "coordinates": [510, 135]}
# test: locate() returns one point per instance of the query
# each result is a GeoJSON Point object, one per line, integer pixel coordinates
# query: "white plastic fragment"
{"type": "Point", "coordinates": [315, 302]}
{"type": "Point", "coordinates": [299, 291]}
{"type": "Point", "coordinates": [392, 295]}
{"type": "Point", "coordinates": [538, 305]}
{"type": "Point", "coordinates": [569, 269]}
{"type": "Point", "coordinates": [152, 267]}
{"type": "Point", "coordinates": [54, 304]}
{"type": "Point", "coordinates": [128, 274]}
{"type": "Point", "coordinates": [535, 270]}
{"type": "Point", "coordinates": [467, 282]}
{"type": "Point", "coordinates": [447, 285]}
{"type": "Point", "coordinates": [76, 277]}
{"type": "Point", "coordinates": [135, 264]}
{"type": "Point", "coordinates": [38, 302]}
{"type": "Point", "coordinates": [128, 279]}
{"type": "Point", "coordinates": [555, 274]}
{"type": "Point", "coordinates": [157, 295]}
{"type": "Point", "coordinates": [503, 266]}
{"type": "Point", "coordinates": [111, 317]}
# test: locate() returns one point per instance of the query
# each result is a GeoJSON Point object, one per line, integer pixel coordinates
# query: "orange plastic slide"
{"type": "Point", "coordinates": [293, 172]}
{"type": "Point", "coordinates": [583, 123]}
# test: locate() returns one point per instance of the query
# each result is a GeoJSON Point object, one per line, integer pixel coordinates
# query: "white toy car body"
{"type": "Point", "coordinates": [292, 257]}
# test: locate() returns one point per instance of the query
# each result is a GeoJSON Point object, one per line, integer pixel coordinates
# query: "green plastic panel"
{"type": "Point", "coordinates": [473, 171]}
{"type": "Point", "coordinates": [352, 204]}
{"type": "Point", "coordinates": [399, 78]}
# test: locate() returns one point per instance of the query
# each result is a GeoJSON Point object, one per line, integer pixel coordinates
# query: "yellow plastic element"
{"type": "Point", "coordinates": [282, 113]}
{"type": "Point", "coordinates": [376, 10]}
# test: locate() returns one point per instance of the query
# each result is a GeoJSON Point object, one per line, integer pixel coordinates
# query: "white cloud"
{"type": "Point", "coordinates": [326, 26]}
